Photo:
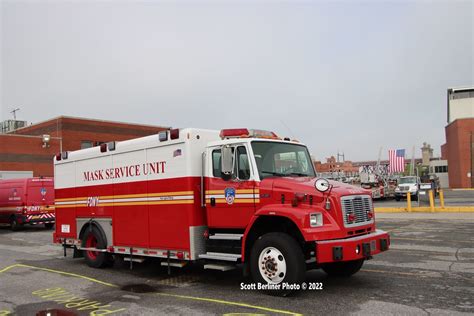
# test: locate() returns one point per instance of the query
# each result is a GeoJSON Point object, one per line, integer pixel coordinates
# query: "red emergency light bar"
{"type": "Point", "coordinates": [245, 133]}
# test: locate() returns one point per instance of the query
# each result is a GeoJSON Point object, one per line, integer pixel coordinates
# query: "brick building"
{"type": "Point", "coordinates": [459, 146]}
{"type": "Point", "coordinates": [331, 165]}
{"type": "Point", "coordinates": [28, 149]}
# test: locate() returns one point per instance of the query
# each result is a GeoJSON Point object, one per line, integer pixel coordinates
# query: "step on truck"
{"type": "Point", "coordinates": [28, 201]}
{"type": "Point", "coordinates": [222, 198]}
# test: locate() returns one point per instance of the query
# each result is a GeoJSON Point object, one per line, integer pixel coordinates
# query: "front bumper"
{"type": "Point", "coordinates": [404, 194]}
{"type": "Point", "coordinates": [354, 248]}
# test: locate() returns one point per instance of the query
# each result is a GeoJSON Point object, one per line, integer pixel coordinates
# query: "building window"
{"type": "Point", "coordinates": [86, 144]}
{"type": "Point", "coordinates": [441, 169]}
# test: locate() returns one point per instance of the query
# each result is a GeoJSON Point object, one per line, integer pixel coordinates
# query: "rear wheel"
{"type": "Point", "coordinates": [93, 239]}
{"type": "Point", "coordinates": [14, 225]}
{"type": "Point", "coordinates": [397, 198]}
{"type": "Point", "coordinates": [343, 269]}
{"type": "Point", "coordinates": [277, 259]}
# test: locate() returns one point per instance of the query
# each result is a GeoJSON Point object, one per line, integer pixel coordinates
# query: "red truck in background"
{"type": "Point", "coordinates": [27, 201]}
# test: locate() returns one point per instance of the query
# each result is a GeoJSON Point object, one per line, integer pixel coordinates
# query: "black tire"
{"type": "Point", "coordinates": [49, 225]}
{"type": "Point", "coordinates": [93, 238]}
{"type": "Point", "coordinates": [343, 269]}
{"type": "Point", "coordinates": [292, 257]}
{"type": "Point", "coordinates": [14, 225]}
{"type": "Point", "coordinates": [397, 198]}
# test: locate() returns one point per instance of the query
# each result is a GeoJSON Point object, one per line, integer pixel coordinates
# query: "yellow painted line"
{"type": "Point", "coordinates": [195, 298]}
{"type": "Point", "coordinates": [449, 209]}
{"type": "Point", "coordinates": [463, 189]}
{"type": "Point", "coordinates": [19, 265]}
{"type": "Point", "coordinates": [212, 300]}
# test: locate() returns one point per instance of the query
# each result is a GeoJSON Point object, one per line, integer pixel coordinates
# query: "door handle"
{"type": "Point", "coordinates": [213, 201]}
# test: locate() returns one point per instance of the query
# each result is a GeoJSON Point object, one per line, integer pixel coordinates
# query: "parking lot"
{"type": "Point", "coordinates": [429, 270]}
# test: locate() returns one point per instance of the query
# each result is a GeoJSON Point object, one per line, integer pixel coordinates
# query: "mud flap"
{"type": "Point", "coordinates": [77, 253]}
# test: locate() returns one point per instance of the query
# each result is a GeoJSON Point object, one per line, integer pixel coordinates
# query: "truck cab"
{"type": "Point", "coordinates": [409, 184]}
{"type": "Point", "coordinates": [263, 192]}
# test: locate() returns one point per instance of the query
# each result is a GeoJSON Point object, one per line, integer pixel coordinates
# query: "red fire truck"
{"type": "Point", "coordinates": [27, 201]}
{"type": "Point", "coordinates": [222, 198]}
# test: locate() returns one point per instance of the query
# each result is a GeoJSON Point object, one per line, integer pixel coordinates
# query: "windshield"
{"type": "Point", "coordinates": [407, 180]}
{"type": "Point", "coordinates": [282, 159]}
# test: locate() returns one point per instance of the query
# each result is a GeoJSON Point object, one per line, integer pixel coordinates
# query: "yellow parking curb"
{"type": "Point", "coordinates": [448, 209]}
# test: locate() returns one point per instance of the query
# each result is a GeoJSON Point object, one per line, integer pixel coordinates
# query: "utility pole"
{"type": "Point", "coordinates": [14, 113]}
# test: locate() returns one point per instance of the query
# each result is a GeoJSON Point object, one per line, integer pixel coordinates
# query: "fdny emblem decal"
{"type": "Point", "coordinates": [229, 195]}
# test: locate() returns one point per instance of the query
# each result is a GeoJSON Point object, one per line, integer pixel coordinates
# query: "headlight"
{"type": "Point", "coordinates": [316, 219]}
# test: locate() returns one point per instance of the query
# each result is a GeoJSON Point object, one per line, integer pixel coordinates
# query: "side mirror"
{"type": "Point", "coordinates": [227, 162]}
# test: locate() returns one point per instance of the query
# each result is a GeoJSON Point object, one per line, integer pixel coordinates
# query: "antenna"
{"type": "Point", "coordinates": [14, 112]}
{"type": "Point", "coordinates": [291, 132]}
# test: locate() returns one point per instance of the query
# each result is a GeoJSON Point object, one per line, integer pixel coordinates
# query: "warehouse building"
{"type": "Point", "coordinates": [32, 148]}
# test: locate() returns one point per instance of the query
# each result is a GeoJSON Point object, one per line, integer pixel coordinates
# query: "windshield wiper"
{"type": "Point", "coordinates": [299, 174]}
{"type": "Point", "coordinates": [273, 173]}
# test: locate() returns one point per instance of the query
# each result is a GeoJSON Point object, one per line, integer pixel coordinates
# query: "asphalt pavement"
{"type": "Point", "coordinates": [428, 270]}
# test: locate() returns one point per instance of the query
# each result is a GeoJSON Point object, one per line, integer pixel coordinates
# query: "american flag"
{"type": "Point", "coordinates": [396, 160]}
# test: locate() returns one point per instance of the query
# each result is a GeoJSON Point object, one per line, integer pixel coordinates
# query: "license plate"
{"type": "Point", "coordinates": [373, 245]}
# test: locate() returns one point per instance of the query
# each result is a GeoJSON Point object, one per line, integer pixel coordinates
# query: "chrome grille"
{"type": "Point", "coordinates": [359, 205]}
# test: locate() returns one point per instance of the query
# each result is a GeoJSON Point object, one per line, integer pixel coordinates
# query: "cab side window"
{"type": "Point", "coordinates": [216, 163]}
{"type": "Point", "coordinates": [241, 167]}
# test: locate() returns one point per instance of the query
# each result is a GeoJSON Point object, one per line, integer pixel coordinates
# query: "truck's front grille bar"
{"type": "Point", "coordinates": [356, 207]}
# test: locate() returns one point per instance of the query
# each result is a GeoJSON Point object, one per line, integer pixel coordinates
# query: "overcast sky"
{"type": "Point", "coordinates": [348, 76]}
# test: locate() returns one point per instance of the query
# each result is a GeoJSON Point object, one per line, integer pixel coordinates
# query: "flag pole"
{"type": "Point", "coordinates": [412, 167]}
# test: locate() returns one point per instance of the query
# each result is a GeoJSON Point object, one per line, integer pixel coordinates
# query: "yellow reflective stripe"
{"type": "Point", "coordinates": [129, 203]}
{"type": "Point", "coordinates": [126, 196]}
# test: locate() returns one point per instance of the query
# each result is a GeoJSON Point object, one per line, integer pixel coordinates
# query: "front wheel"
{"type": "Point", "coordinates": [343, 269]}
{"type": "Point", "coordinates": [94, 239]}
{"type": "Point", "coordinates": [277, 260]}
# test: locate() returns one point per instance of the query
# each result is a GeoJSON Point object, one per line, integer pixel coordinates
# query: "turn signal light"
{"type": "Point", "coordinates": [351, 217]}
